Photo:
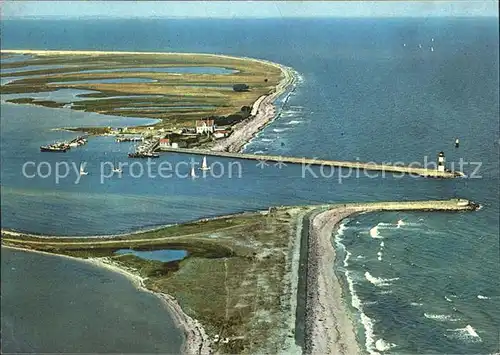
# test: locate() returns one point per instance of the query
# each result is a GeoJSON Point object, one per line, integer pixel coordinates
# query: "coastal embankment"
{"type": "Point", "coordinates": [328, 327]}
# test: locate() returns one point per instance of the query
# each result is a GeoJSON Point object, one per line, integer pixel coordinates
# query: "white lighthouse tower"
{"type": "Point", "coordinates": [441, 161]}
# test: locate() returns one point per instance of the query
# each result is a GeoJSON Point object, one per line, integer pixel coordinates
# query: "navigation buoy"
{"type": "Point", "coordinates": [457, 143]}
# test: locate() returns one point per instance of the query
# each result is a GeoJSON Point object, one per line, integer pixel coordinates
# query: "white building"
{"type": "Point", "coordinates": [205, 126]}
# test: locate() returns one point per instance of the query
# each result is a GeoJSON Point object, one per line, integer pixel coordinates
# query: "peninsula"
{"type": "Point", "coordinates": [237, 290]}
{"type": "Point", "coordinates": [198, 99]}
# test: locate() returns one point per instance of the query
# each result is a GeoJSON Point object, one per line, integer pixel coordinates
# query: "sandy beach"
{"type": "Point", "coordinates": [328, 328]}
{"type": "Point", "coordinates": [263, 112]}
{"type": "Point", "coordinates": [196, 340]}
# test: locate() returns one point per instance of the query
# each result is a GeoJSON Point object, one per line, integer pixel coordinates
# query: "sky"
{"type": "Point", "coordinates": [245, 9]}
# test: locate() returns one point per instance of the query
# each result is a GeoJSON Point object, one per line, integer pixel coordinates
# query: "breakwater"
{"type": "Point", "coordinates": [327, 327]}
{"type": "Point", "coordinates": [425, 172]}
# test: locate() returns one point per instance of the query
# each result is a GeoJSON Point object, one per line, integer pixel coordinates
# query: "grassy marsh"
{"type": "Point", "coordinates": [175, 89]}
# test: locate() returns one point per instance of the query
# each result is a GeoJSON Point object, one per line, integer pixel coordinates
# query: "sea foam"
{"type": "Point", "coordinates": [378, 281]}
{"type": "Point", "coordinates": [441, 317]}
{"type": "Point", "coordinates": [374, 233]}
{"type": "Point", "coordinates": [467, 334]}
{"type": "Point", "coordinates": [482, 297]}
{"type": "Point", "coordinates": [382, 345]}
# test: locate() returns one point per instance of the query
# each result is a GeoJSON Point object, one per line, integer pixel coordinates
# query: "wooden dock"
{"type": "Point", "coordinates": [400, 169]}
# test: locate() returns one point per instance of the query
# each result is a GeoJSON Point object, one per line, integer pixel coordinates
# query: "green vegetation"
{"type": "Point", "coordinates": [29, 100]}
{"type": "Point", "coordinates": [232, 280]}
{"type": "Point", "coordinates": [177, 99]}
{"type": "Point", "coordinates": [240, 87]}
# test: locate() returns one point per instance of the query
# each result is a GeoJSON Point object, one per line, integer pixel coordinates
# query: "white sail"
{"type": "Point", "coordinates": [82, 172]}
{"type": "Point", "coordinates": [193, 174]}
{"type": "Point", "coordinates": [204, 165]}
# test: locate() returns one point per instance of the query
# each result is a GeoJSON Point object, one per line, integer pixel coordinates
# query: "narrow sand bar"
{"type": "Point", "coordinates": [328, 328]}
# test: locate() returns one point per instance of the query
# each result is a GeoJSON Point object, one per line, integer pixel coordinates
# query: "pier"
{"type": "Point", "coordinates": [434, 173]}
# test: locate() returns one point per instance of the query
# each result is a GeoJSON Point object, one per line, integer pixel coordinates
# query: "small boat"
{"type": "Point", "coordinates": [204, 165]}
{"type": "Point", "coordinates": [432, 49]}
{"type": "Point", "coordinates": [457, 143]}
{"type": "Point", "coordinates": [73, 144]}
{"type": "Point", "coordinates": [151, 155]}
{"type": "Point", "coordinates": [143, 155]}
{"type": "Point", "coordinates": [54, 148]}
{"type": "Point", "coordinates": [193, 174]}
{"type": "Point", "coordinates": [82, 171]}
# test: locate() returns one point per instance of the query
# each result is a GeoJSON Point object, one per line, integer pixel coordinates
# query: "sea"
{"type": "Point", "coordinates": [395, 90]}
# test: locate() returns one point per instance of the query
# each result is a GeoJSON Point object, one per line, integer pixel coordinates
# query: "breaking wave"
{"type": "Point", "coordinates": [467, 334]}
{"type": "Point", "coordinates": [382, 345]}
{"type": "Point", "coordinates": [378, 281]}
{"type": "Point", "coordinates": [374, 233]}
{"type": "Point", "coordinates": [293, 122]}
{"type": "Point", "coordinates": [347, 256]}
{"type": "Point", "coordinates": [279, 130]}
{"type": "Point", "coordinates": [441, 317]}
{"type": "Point", "coordinates": [482, 297]}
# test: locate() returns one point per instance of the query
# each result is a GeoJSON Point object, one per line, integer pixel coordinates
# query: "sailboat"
{"type": "Point", "coordinates": [82, 171]}
{"type": "Point", "coordinates": [432, 49]}
{"type": "Point", "coordinates": [193, 174]}
{"type": "Point", "coordinates": [204, 165]}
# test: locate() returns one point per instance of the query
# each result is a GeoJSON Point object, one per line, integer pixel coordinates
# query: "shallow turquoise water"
{"type": "Point", "coordinates": [158, 255]}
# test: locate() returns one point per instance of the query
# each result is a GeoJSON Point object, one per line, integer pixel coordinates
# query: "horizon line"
{"type": "Point", "coordinates": [238, 17]}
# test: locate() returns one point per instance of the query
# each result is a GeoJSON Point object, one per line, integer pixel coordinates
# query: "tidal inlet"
{"type": "Point", "coordinates": [250, 178]}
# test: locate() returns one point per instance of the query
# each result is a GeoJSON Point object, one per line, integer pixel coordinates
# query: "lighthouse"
{"type": "Point", "coordinates": [441, 161]}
